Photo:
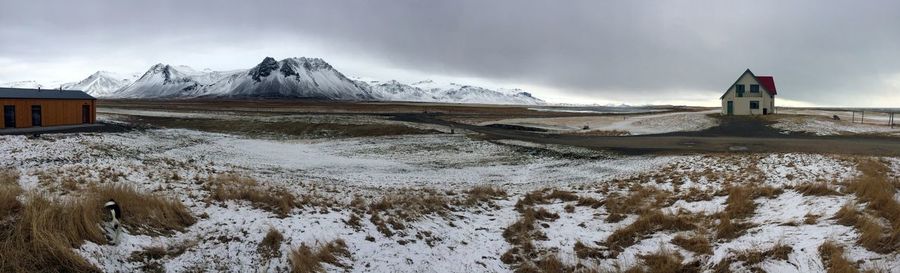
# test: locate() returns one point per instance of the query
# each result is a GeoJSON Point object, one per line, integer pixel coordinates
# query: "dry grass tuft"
{"type": "Point", "coordinates": [740, 202]}
{"type": "Point", "coordinates": [306, 260]}
{"type": "Point", "coordinates": [406, 206]}
{"type": "Point", "coordinates": [233, 187]}
{"type": "Point", "coordinates": [848, 215]}
{"type": "Point", "coordinates": [811, 219]}
{"type": "Point", "coordinates": [870, 235]}
{"type": "Point", "coordinates": [738, 205]}
{"type": "Point", "coordinates": [875, 188]}
{"type": "Point", "coordinates": [833, 258]}
{"type": "Point", "coordinates": [694, 194]}
{"type": "Point", "coordinates": [781, 251]}
{"type": "Point", "coordinates": [541, 197]}
{"type": "Point", "coordinates": [767, 191]}
{"type": "Point", "coordinates": [523, 231]}
{"type": "Point", "coordinates": [663, 260]}
{"type": "Point", "coordinates": [150, 257]}
{"type": "Point", "coordinates": [640, 200]}
{"type": "Point", "coordinates": [530, 199]}
{"type": "Point", "coordinates": [144, 213]}
{"type": "Point", "coordinates": [270, 246]}
{"type": "Point", "coordinates": [551, 263]}
{"type": "Point", "coordinates": [750, 258]}
{"type": "Point", "coordinates": [590, 202]}
{"type": "Point", "coordinates": [354, 221]}
{"type": "Point", "coordinates": [586, 252]}
{"type": "Point", "coordinates": [730, 229]}
{"type": "Point", "coordinates": [648, 223]}
{"type": "Point", "coordinates": [41, 235]}
{"type": "Point", "coordinates": [565, 196]}
{"type": "Point", "coordinates": [9, 192]}
{"type": "Point", "coordinates": [480, 194]}
{"type": "Point", "coordinates": [412, 204]}
{"type": "Point", "coordinates": [697, 244]}
{"type": "Point", "coordinates": [815, 189]}
{"type": "Point", "coordinates": [521, 234]}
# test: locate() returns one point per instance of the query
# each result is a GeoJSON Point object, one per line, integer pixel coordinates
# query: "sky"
{"type": "Point", "coordinates": [821, 53]}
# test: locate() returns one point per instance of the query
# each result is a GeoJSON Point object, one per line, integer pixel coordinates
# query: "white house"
{"type": "Point", "coordinates": [750, 95]}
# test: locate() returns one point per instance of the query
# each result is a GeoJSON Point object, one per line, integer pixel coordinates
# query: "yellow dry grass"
{"type": "Point", "coordinates": [662, 261]}
{"type": "Point", "coordinates": [876, 189]}
{"type": "Point", "coordinates": [833, 257]}
{"type": "Point", "coordinates": [9, 192]}
{"type": "Point", "coordinates": [697, 243]}
{"type": "Point", "coordinates": [816, 189]}
{"type": "Point", "coordinates": [41, 235]}
{"type": "Point", "coordinates": [305, 259]}
{"type": "Point", "coordinates": [233, 187]}
{"type": "Point", "coordinates": [270, 246]}
{"type": "Point", "coordinates": [483, 193]}
{"type": "Point", "coordinates": [648, 223]}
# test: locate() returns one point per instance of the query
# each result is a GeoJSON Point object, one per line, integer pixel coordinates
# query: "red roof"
{"type": "Point", "coordinates": [768, 83]}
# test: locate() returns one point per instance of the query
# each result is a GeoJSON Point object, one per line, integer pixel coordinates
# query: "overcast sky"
{"type": "Point", "coordinates": [833, 53]}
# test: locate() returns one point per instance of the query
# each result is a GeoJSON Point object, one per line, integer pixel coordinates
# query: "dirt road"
{"type": "Point", "coordinates": [686, 143]}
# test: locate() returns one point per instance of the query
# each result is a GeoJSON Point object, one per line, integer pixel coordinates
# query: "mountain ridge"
{"type": "Point", "coordinates": [296, 77]}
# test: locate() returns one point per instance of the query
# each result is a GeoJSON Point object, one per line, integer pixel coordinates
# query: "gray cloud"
{"type": "Point", "coordinates": [832, 53]}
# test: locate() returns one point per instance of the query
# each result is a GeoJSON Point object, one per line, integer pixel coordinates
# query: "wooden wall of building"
{"type": "Point", "coordinates": [54, 112]}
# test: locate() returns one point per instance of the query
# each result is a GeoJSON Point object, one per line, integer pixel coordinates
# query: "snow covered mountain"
{"type": "Point", "coordinates": [101, 83]}
{"type": "Point", "coordinates": [161, 81]}
{"type": "Point", "coordinates": [31, 84]}
{"type": "Point", "coordinates": [430, 91]}
{"type": "Point", "coordinates": [287, 78]}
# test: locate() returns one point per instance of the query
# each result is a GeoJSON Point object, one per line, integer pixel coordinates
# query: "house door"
{"type": "Point", "coordinates": [765, 111]}
{"type": "Point", "coordinates": [36, 115]}
{"type": "Point", "coordinates": [9, 116]}
{"type": "Point", "coordinates": [730, 108]}
{"type": "Point", "coordinates": [86, 114]}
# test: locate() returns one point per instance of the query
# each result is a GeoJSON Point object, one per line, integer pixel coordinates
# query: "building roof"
{"type": "Point", "coordinates": [767, 83]}
{"type": "Point", "coordinates": [21, 93]}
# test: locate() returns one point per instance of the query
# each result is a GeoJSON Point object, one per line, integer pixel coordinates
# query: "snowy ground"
{"type": "Point", "coordinates": [824, 126]}
{"type": "Point", "coordinates": [633, 125]}
{"type": "Point", "coordinates": [467, 239]}
{"type": "Point", "coordinates": [821, 122]}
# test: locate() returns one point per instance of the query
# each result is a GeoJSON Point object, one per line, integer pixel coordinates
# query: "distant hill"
{"type": "Point", "coordinates": [288, 78]}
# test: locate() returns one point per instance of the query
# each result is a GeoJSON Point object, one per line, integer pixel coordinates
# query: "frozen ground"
{"type": "Point", "coordinates": [824, 126]}
{"type": "Point", "coordinates": [821, 122]}
{"type": "Point", "coordinates": [467, 238]}
{"type": "Point", "coordinates": [633, 125]}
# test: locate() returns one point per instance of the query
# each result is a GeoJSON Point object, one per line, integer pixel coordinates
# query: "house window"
{"type": "Point", "coordinates": [754, 88]}
{"type": "Point", "coordinates": [739, 89]}
{"type": "Point", "coordinates": [754, 104]}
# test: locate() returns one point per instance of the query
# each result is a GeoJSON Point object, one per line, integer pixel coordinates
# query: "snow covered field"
{"type": "Point", "coordinates": [820, 122]}
{"type": "Point", "coordinates": [824, 126]}
{"type": "Point", "coordinates": [456, 237]}
{"type": "Point", "coordinates": [632, 125]}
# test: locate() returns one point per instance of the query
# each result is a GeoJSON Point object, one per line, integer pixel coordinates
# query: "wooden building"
{"type": "Point", "coordinates": [24, 108]}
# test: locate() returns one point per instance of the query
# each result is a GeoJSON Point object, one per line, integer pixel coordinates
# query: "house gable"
{"type": "Point", "coordinates": [765, 83]}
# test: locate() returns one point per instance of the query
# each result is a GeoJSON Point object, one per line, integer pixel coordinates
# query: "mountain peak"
{"type": "Point", "coordinates": [308, 63]}
{"type": "Point", "coordinates": [159, 67]}
{"type": "Point", "coordinates": [263, 69]}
